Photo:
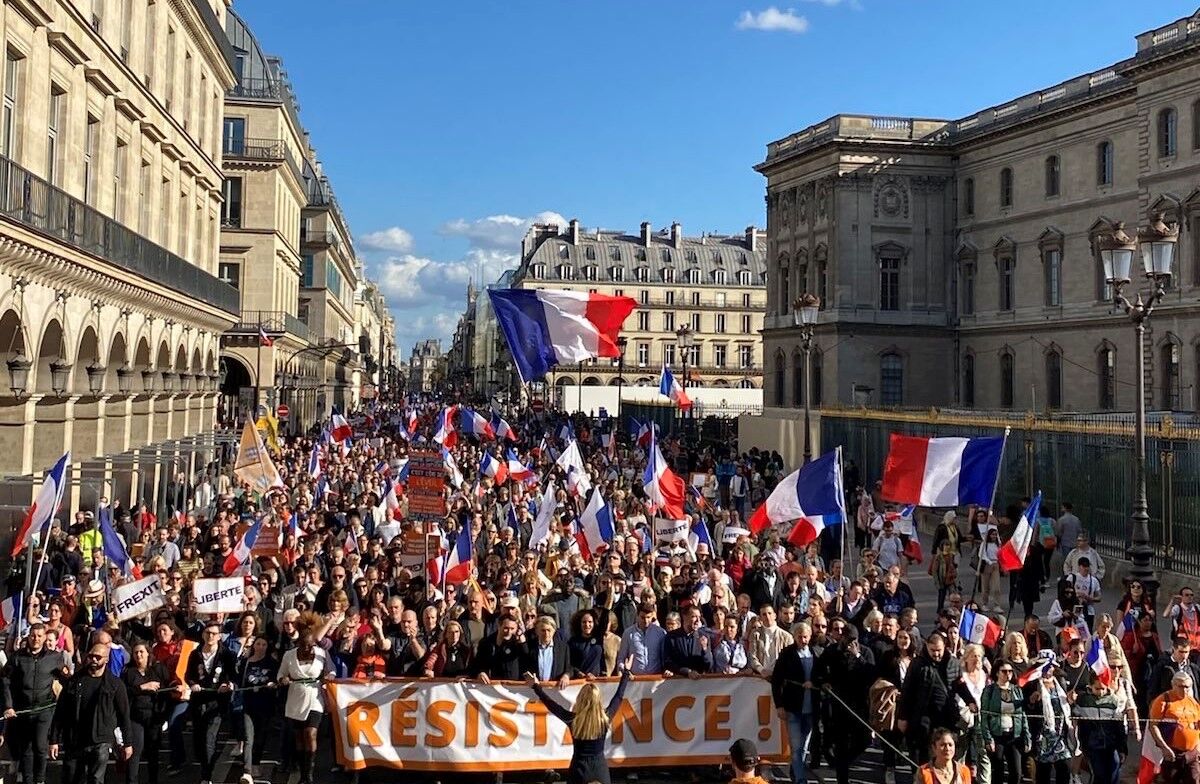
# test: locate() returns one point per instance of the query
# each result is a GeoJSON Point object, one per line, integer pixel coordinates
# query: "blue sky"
{"type": "Point", "coordinates": [448, 126]}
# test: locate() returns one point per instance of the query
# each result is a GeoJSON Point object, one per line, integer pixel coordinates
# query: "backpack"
{"type": "Point", "coordinates": [1046, 533]}
{"type": "Point", "coordinates": [882, 699]}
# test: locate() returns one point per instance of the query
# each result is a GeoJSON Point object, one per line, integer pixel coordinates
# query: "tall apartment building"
{"type": "Point", "coordinates": [958, 259]}
{"type": "Point", "coordinates": [110, 199]}
{"type": "Point", "coordinates": [426, 366]}
{"type": "Point", "coordinates": [713, 284]}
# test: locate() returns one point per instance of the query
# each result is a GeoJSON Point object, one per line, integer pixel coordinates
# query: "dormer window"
{"type": "Point", "coordinates": [564, 252]}
{"type": "Point", "coordinates": [538, 271]}
{"type": "Point", "coordinates": [668, 274]}
{"type": "Point", "coordinates": [719, 277]}
{"type": "Point", "coordinates": [616, 274]}
{"type": "Point", "coordinates": [693, 275]}
{"type": "Point", "coordinates": [642, 274]}
{"type": "Point", "coordinates": [563, 271]}
{"type": "Point", "coordinates": [589, 272]}
{"type": "Point", "coordinates": [590, 252]}
{"type": "Point", "coordinates": [666, 255]}
{"type": "Point", "coordinates": [614, 252]}
{"type": "Point", "coordinates": [743, 277]}
{"type": "Point", "coordinates": [691, 256]}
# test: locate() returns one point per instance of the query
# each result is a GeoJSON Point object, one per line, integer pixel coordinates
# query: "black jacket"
{"type": "Point", "coordinates": [28, 678]}
{"type": "Point", "coordinates": [759, 589]}
{"type": "Point", "coordinates": [927, 699]}
{"type": "Point", "coordinates": [561, 657]}
{"type": "Point", "coordinates": [146, 706]}
{"type": "Point", "coordinates": [74, 722]}
{"type": "Point", "coordinates": [682, 652]}
{"type": "Point", "coordinates": [223, 670]}
{"type": "Point", "coordinates": [788, 678]}
{"type": "Point", "coordinates": [500, 662]}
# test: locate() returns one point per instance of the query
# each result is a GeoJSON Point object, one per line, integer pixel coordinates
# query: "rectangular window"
{"type": "Point", "coordinates": [185, 111]}
{"type": "Point", "coordinates": [54, 118]}
{"type": "Point", "coordinates": [98, 16]}
{"type": "Point", "coordinates": [119, 195]}
{"type": "Point", "coordinates": [151, 25]}
{"type": "Point", "coordinates": [668, 322]}
{"type": "Point", "coordinates": [719, 355]}
{"type": "Point", "coordinates": [968, 290]}
{"type": "Point", "coordinates": [643, 354]}
{"type": "Point", "coordinates": [968, 196]}
{"type": "Point", "coordinates": [695, 322]}
{"type": "Point", "coordinates": [231, 273]}
{"type": "Point", "coordinates": [126, 28]}
{"type": "Point", "coordinates": [669, 298]}
{"type": "Point", "coordinates": [185, 234]}
{"type": "Point", "coordinates": [233, 136]}
{"type": "Point", "coordinates": [170, 54]}
{"type": "Point", "coordinates": [202, 126]}
{"type": "Point", "coordinates": [643, 320]}
{"type": "Point", "coordinates": [745, 356]}
{"type": "Point", "coordinates": [231, 210]}
{"type": "Point", "coordinates": [1007, 275]}
{"type": "Point", "coordinates": [1052, 261]}
{"type": "Point", "coordinates": [1053, 175]}
{"type": "Point", "coordinates": [745, 300]}
{"type": "Point", "coordinates": [145, 198]}
{"type": "Point", "coordinates": [307, 265]}
{"type": "Point", "coordinates": [889, 284]}
{"type": "Point", "coordinates": [1104, 163]}
{"type": "Point", "coordinates": [696, 299]}
{"type": "Point", "coordinates": [90, 164]}
{"type": "Point", "coordinates": [644, 297]}
{"type": "Point", "coordinates": [745, 325]}
{"type": "Point", "coordinates": [12, 99]}
{"type": "Point", "coordinates": [720, 299]}
{"type": "Point", "coordinates": [891, 380]}
{"type": "Point", "coordinates": [719, 323]}
{"type": "Point", "coordinates": [668, 354]}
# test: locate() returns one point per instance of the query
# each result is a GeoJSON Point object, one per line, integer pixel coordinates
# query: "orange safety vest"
{"type": "Point", "coordinates": [926, 776]}
{"type": "Point", "coordinates": [1190, 628]}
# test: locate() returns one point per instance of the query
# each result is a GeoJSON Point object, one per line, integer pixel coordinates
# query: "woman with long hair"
{"type": "Point", "coordinates": [66, 639]}
{"type": "Point", "coordinates": [451, 657]}
{"type": "Point", "coordinates": [143, 678]}
{"type": "Point", "coordinates": [1135, 598]}
{"type": "Point", "coordinates": [302, 670]}
{"type": "Point", "coordinates": [1005, 731]}
{"type": "Point", "coordinates": [589, 724]}
{"type": "Point", "coordinates": [971, 688]}
{"type": "Point", "coordinates": [256, 670]}
{"type": "Point", "coordinates": [239, 643]}
{"type": "Point", "coordinates": [586, 649]}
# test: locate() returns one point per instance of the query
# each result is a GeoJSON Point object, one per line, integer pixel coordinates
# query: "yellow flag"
{"type": "Point", "coordinates": [254, 465]}
{"type": "Point", "coordinates": [268, 425]}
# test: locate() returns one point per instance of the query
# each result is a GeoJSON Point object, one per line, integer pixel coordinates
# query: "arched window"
{"type": "Point", "coordinates": [891, 380]}
{"type": "Point", "coordinates": [1006, 187]}
{"type": "Point", "coordinates": [780, 373]}
{"type": "Point", "coordinates": [1166, 132]}
{"type": "Point", "coordinates": [968, 381]}
{"type": "Point", "coordinates": [785, 291]}
{"type": "Point", "coordinates": [1054, 380]}
{"type": "Point", "coordinates": [1053, 175]}
{"type": "Point", "coordinates": [1104, 163]}
{"type": "Point", "coordinates": [798, 379]}
{"type": "Point", "coordinates": [1106, 374]}
{"type": "Point", "coordinates": [1008, 381]}
{"type": "Point", "coordinates": [1171, 379]}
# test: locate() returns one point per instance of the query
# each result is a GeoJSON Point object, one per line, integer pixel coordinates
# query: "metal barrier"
{"type": "Point", "coordinates": [1084, 460]}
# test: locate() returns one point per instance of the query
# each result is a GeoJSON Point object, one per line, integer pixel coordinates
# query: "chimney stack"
{"type": "Point", "coordinates": [574, 230]}
{"type": "Point", "coordinates": [646, 233]}
{"type": "Point", "coordinates": [752, 238]}
{"type": "Point", "coordinates": [676, 235]}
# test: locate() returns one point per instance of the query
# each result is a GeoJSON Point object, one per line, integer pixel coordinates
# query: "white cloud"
{"type": "Point", "coordinates": [498, 232]}
{"type": "Point", "coordinates": [772, 20]}
{"type": "Point", "coordinates": [392, 240]}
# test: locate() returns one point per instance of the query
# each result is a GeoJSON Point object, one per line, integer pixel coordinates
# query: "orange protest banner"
{"type": "Point", "coordinates": [185, 651]}
{"type": "Point", "coordinates": [448, 726]}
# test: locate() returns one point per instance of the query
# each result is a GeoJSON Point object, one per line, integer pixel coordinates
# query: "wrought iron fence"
{"type": "Point", "coordinates": [1084, 460]}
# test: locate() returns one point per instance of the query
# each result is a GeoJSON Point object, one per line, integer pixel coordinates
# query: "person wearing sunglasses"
{"type": "Point", "coordinates": [1004, 726]}
{"type": "Point", "coordinates": [92, 708]}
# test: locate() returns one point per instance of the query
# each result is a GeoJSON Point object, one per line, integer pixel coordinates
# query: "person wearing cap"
{"type": "Point", "coordinates": [743, 758]}
{"type": "Point", "coordinates": [546, 655]}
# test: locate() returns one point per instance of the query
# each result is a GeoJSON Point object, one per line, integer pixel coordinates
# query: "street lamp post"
{"type": "Point", "coordinates": [622, 342]}
{"type": "Point", "coordinates": [1157, 245]}
{"type": "Point", "coordinates": [687, 339]}
{"type": "Point", "coordinates": [804, 313]}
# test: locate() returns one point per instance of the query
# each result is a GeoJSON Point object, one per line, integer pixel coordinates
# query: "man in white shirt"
{"type": "Point", "coordinates": [1087, 589]}
{"type": "Point", "coordinates": [766, 641]}
{"type": "Point", "coordinates": [1083, 549]}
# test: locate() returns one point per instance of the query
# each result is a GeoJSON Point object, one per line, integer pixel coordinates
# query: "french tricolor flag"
{"type": "Point", "coordinates": [1152, 756]}
{"type": "Point", "coordinates": [340, 430]}
{"type": "Point", "coordinates": [646, 433]}
{"type": "Point", "coordinates": [663, 487]}
{"type": "Point", "coordinates": [1043, 662]}
{"type": "Point", "coordinates": [412, 421]}
{"type": "Point", "coordinates": [474, 424]}
{"type": "Point", "coordinates": [942, 471]}
{"type": "Point", "coordinates": [456, 564]}
{"type": "Point", "coordinates": [811, 495]}
{"type": "Point", "coordinates": [445, 434]}
{"type": "Point", "coordinates": [1097, 659]}
{"type": "Point", "coordinates": [1011, 556]}
{"type": "Point", "coordinates": [45, 505]}
{"type": "Point", "coordinates": [237, 562]}
{"type": "Point", "coordinates": [518, 470]}
{"type": "Point", "coordinates": [495, 469]}
{"type": "Point", "coordinates": [314, 462]}
{"type": "Point", "coordinates": [668, 386]}
{"type": "Point", "coordinates": [595, 531]}
{"type": "Point", "coordinates": [10, 610]}
{"type": "Point", "coordinates": [503, 430]}
{"type": "Point", "coordinates": [456, 477]}
{"type": "Point", "coordinates": [547, 328]}
{"type": "Point", "coordinates": [391, 502]}
{"type": "Point", "coordinates": [978, 628]}
{"type": "Point", "coordinates": [699, 536]}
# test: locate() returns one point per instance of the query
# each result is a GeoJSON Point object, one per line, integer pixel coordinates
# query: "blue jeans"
{"type": "Point", "coordinates": [800, 727]}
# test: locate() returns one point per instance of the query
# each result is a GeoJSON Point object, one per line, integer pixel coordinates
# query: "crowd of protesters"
{"type": "Point", "coordinates": [833, 626]}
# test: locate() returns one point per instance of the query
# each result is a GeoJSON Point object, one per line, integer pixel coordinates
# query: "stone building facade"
{"type": "Point", "coordinates": [957, 259]}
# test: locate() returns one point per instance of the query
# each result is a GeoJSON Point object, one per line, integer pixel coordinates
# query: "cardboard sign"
{"type": "Point", "coordinates": [732, 534]}
{"type": "Point", "coordinates": [138, 598]}
{"type": "Point", "coordinates": [467, 727]}
{"type": "Point", "coordinates": [426, 486]}
{"type": "Point", "coordinates": [218, 595]}
{"type": "Point", "coordinates": [670, 531]}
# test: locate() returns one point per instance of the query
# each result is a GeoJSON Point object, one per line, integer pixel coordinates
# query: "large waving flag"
{"type": "Point", "coordinates": [663, 486]}
{"type": "Point", "coordinates": [390, 504]}
{"type": "Point", "coordinates": [547, 328]}
{"type": "Point", "coordinates": [1011, 556]}
{"type": "Point", "coordinates": [45, 504]}
{"type": "Point", "coordinates": [340, 429]}
{"type": "Point", "coordinates": [456, 564]}
{"type": "Point", "coordinates": [474, 424]}
{"type": "Point", "coordinates": [444, 433]}
{"type": "Point", "coordinates": [1152, 756]}
{"type": "Point", "coordinates": [942, 471]}
{"type": "Point", "coordinates": [811, 495]}
{"type": "Point", "coordinates": [1042, 663]}
{"type": "Point", "coordinates": [503, 430]}
{"type": "Point", "coordinates": [668, 386]}
{"type": "Point", "coordinates": [571, 462]}
{"type": "Point", "coordinates": [495, 469]}
{"type": "Point", "coordinates": [517, 470]}
{"type": "Point", "coordinates": [595, 532]}
{"type": "Point", "coordinates": [978, 628]}
{"type": "Point", "coordinates": [314, 462]}
{"type": "Point", "coordinates": [545, 514]}
{"type": "Point", "coordinates": [699, 536]}
{"type": "Point", "coordinates": [114, 549]}
{"type": "Point", "coordinates": [1097, 660]}
{"type": "Point", "coordinates": [238, 561]}
{"type": "Point", "coordinates": [456, 477]}
{"type": "Point", "coordinates": [411, 425]}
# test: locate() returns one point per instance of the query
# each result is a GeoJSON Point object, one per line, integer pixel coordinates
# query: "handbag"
{"type": "Point", "coordinates": [966, 717]}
